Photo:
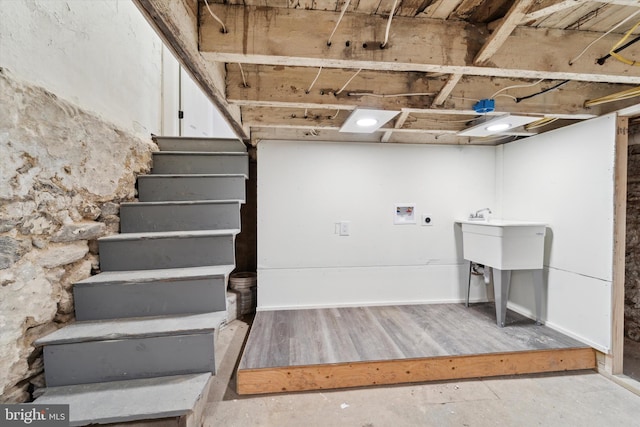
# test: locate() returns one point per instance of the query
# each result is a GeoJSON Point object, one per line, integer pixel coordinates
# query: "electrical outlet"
{"type": "Point", "coordinates": [426, 220]}
{"type": "Point", "coordinates": [344, 228]}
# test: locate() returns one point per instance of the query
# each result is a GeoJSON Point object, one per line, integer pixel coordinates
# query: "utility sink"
{"type": "Point", "coordinates": [504, 244]}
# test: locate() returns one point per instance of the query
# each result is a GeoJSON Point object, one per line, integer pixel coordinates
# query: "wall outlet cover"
{"type": "Point", "coordinates": [426, 220]}
{"type": "Point", "coordinates": [345, 228]}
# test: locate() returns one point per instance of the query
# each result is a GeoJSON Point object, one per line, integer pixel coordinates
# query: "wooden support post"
{"type": "Point", "coordinates": [619, 246]}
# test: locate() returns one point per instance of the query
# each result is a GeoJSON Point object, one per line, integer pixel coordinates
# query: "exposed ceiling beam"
{"type": "Point", "coordinates": [177, 24]}
{"type": "Point", "coordinates": [298, 118]}
{"type": "Point", "coordinates": [287, 87]}
{"type": "Point", "coordinates": [617, 2]}
{"type": "Point", "coordinates": [500, 35]}
{"type": "Point", "coordinates": [397, 125]}
{"type": "Point", "coordinates": [548, 7]}
{"type": "Point", "coordinates": [333, 135]}
{"type": "Point", "coordinates": [295, 118]}
{"type": "Point", "coordinates": [446, 90]}
{"type": "Point", "coordinates": [427, 45]}
{"type": "Point", "coordinates": [408, 7]}
{"type": "Point", "coordinates": [259, 133]}
{"type": "Point", "coordinates": [441, 9]}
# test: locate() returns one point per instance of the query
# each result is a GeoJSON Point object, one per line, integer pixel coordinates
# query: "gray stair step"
{"type": "Point", "coordinates": [169, 143]}
{"type": "Point", "coordinates": [140, 276]}
{"type": "Point", "coordinates": [140, 327]}
{"type": "Point", "coordinates": [185, 162]}
{"type": "Point", "coordinates": [115, 350]}
{"type": "Point", "coordinates": [175, 216]}
{"type": "Point", "coordinates": [172, 249]}
{"type": "Point", "coordinates": [121, 294]}
{"type": "Point", "coordinates": [132, 400]}
{"type": "Point", "coordinates": [158, 188]}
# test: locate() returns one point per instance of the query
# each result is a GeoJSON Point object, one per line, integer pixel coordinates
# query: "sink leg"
{"type": "Point", "coordinates": [537, 289]}
{"type": "Point", "coordinates": [468, 277]}
{"type": "Point", "coordinates": [501, 284]}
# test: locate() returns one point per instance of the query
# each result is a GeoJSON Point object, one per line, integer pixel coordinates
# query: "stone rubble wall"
{"type": "Point", "coordinates": [632, 268]}
{"type": "Point", "coordinates": [63, 174]}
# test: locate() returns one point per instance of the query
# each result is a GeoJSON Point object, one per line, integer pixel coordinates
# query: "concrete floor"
{"type": "Point", "coordinates": [575, 399]}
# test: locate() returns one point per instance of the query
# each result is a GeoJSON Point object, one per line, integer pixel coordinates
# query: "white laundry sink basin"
{"type": "Point", "coordinates": [504, 244]}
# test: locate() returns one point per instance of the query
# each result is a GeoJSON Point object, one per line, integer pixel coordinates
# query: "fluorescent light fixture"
{"type": "Point", "coordinates": [497, 125]}
{"type": "Point", "coordinates": [366, 120]}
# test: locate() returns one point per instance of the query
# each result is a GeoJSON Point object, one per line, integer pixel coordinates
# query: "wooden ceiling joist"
{"type": "Point", "coordinates": [399, 122]}
{"type": "Point", "coordinates": [548, 7]}
{"type": "Point", "coordinates": [504, 30]}
{"type": "Point", "coordinates": [442, 56]}
{"type": "Point", "coordinates": [286, 87]}
{"type": "Point", "coordinates": [446, 90]}
{"type": "Point", "coordinates": [427, 45]}
{"type": "Point", "coordinates": [441, 9]}
{"type": "Point", "coordinates": [291, 118]}
{"type": "Point", "coordinates": [333, 135]}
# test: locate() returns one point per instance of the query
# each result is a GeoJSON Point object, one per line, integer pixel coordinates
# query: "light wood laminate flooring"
{"type": "Point", "coordinates": [297, 350]}
{"type": "Point", "coordinates": [358, 334]}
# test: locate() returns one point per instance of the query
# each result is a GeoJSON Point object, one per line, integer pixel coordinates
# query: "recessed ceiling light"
{"type": "Point", "coordinates": [367, 120]}
{"type": "Point", "coordinates": [497, 125]}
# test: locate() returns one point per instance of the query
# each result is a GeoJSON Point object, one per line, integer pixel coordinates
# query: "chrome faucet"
{"type": "Point", "coordinates": [479, 214]}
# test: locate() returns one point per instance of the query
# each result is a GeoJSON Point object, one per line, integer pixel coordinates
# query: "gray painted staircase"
{"type": "Point", "coordinates": [177, 162]}
{"type": "Point", "coordinates": [171, 291]}
{"type": "Point", "coordinates": [179, 216]}
{"type": "Point", "coordinates": [182, 187]}
{"type": "Point", "coordinates": [170, 249]}
{"type": "Point", "coordinates": [142, 346]}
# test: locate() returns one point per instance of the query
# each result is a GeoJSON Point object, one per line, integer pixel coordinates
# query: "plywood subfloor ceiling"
{"type": "Point", "coordinates": [295, 69]}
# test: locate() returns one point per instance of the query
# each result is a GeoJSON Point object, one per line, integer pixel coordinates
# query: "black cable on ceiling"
{"type": "Point", "coordinates": [602, 60]}
{"type": "Point", "coordinates": [543, 91]}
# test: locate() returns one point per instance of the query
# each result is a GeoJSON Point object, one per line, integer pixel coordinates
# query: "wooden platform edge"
{"type": "Point", "coordinates": [358, 374]}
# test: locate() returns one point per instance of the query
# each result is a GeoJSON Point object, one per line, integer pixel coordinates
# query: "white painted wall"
{"type": "Point", "coordinates": [101, 55]}
{"type": "Point", "coordinates": [563, 177]}
{"type": "Point", "coordinates": [304, 188]}
{"type": "Point", "coordinates": [566, 178]}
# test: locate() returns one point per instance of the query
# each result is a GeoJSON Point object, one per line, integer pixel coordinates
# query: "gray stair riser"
{"type": "Point", "coordinates": [114, 360]}
{"type": "Point", "coordinates": [137, 218]}
{"type": "Point", "coordinates": [176, 188]}
{"type": "Point", "coordinates": [170, 252]}
{"type": "Point", "coordinates": [183, 163]}
{"type": "Point", "coordinates": [197, 144]}
{"type": "Point", "coordinates": [159, 298]}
